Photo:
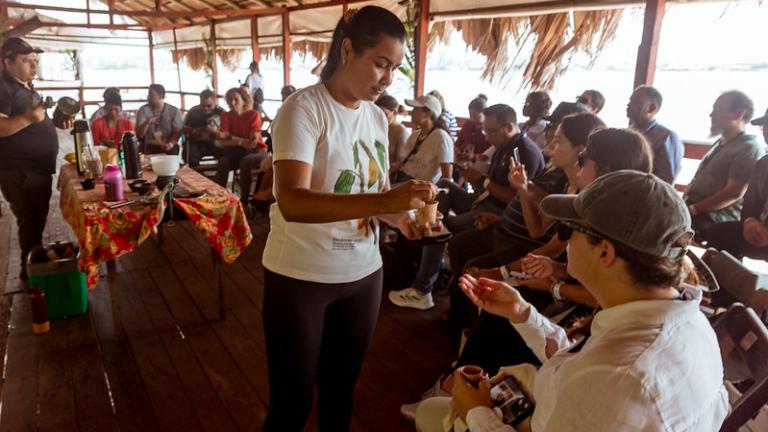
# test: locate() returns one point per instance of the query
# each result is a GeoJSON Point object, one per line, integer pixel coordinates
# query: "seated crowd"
{"type": "Point", "coordinates": [568, 257]}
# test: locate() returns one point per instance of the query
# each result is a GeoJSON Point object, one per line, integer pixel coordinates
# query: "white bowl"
{"type": "Point", "coordinates": [165, 165]}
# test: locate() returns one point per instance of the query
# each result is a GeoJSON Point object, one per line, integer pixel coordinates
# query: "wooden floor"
{"type": "Point", "coordinates": [177, 368]}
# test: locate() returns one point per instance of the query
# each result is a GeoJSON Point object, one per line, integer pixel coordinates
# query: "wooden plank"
{"type": "Point", "coordinates": [151, 47]}
{"type": "Point", "coordinates": [214, 59]}
{"type": "Point", "coordinates": [173, 409]}
{"type": "Point", "coordinates": [255, 39]}
{"type": "Point", "coordinates": [134, 412]}
{"type": "Point", "coordinates": [286, 49]}
{"type": "Point", "coordinates": [210, 410]}
{"type": "Point", "coordinates": [422, 37]}
{"type": "Point", "coordinates": [56, 398]}
{"type": "Point", "coordinates": [93, 405]}
{"type": "Point", "coordinates": [228, 380]}
{"type": "Point", "coordinates": [645, 67]}
{"type": "Point", "coordinates": [20, 387]}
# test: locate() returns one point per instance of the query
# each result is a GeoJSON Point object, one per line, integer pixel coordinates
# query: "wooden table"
{"type": "Point", "coordinates": [105, 232]}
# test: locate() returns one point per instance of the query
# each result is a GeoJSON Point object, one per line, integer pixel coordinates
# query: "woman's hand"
{"type": "Point", "coordinates": [539, 266]}
{"type": "Point", "coordinates": [413, 231]}
{"type": "Point", "coordinates": [413, 194]}
{"type": "Point", "coordinates": [496, 297]}
{"type": "Point", "coordinates": [466, 397]}
{"type": "Point", "coordinates": [517, 177]}
{"type": "Point", "coordinates": [485, 220]}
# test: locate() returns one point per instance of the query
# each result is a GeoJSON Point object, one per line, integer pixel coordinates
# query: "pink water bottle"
{"type": "Point", "coordinates": [113, 183]}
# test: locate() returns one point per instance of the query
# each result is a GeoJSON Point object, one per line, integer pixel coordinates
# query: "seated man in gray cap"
{"type": "Point", "coordinates": [651, 360]}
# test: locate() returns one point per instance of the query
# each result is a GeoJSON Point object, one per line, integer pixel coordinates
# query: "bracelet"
{"type": "Point", "coordinates": [556, 290]}
{"type": "Point", "coordinates": [504, 272]}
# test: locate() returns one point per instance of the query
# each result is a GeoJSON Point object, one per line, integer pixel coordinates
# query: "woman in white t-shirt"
{"type": "Point", "coordinates": [429, 149]}
{"type": "Point", "coordinates": [322, 267]}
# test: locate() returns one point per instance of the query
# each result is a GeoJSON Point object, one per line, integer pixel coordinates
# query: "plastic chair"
{"type": "Point", "coordinates": [743, 341]}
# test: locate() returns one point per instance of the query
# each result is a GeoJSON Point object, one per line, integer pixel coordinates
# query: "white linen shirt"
{"type": "Point", "coordinates": [649, 365]}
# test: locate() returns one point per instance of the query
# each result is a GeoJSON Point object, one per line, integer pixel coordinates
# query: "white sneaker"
{"type": "Point", "coordinates": [409, 410]}
{"type": "Point", "coordinates": [412, 298]}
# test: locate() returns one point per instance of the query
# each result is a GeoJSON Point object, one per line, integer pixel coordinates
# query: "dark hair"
{"type": "Point", "coordinates": [110, 91]}
{"type": "Point", "coordinates": [113, 99]}
{"type": "Point", "coordinates": [619, 149]}
{"type": "Point", "coordinates": [504, 114]}
{"type": "Point", "coordinates": [540, 102]}
{"type": "Point", "coordinates": [388, 102]}
{"type": "Point", "coordinates": [244, 95]}
{"type": "Point", "coordinates": [158, 88]}
{"type": "Point", "coordinates": [739, 100]}
{"type": "Point", "coordinates": [578, 127]}
{"type": "Point", "coordinates": [596, 99]}
{"type": "Point", "coordinates": [479, 103]}
{"type": "Point", "coordinates": [648, 270]}
{"type": "Point", "coordinates": [651, 93]}
{"type": "Point", "coordinates": [287, 91]}
{"type": "Point", "coordinates": [255, 65]}
{"type": "Point", "coordinates": [206, 94]}
{"type": "Point", "coordinates": [363, 28]}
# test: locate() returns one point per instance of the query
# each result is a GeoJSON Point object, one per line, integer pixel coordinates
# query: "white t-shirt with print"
{"type": "Point", "coordinates": [347, 149]}
{"type": "Point", "coordinates": [436, 149]}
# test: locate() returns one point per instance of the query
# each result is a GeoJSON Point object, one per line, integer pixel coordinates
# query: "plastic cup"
{"type": "Point", "coordinates": [427, 215]}
{"type": "Point", "coordinates": [473, 374]}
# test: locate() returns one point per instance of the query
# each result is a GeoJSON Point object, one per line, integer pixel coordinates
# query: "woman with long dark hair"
{"type": "Point", "coordinates": [322, 267]}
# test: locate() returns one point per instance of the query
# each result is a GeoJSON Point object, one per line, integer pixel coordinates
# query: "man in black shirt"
{"type": "Point", "coordinates": [28, 145]}
{"type": "Point", "coordinates": [200, 140]}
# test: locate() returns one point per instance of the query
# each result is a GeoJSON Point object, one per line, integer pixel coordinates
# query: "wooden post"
{"type": "Point", "coordinates": [645, 68]}
{"type": "Point", "coordinates": [422, 35]}
{"type": "Point", "coordinates": [4, 13]}
{"type": "Point", "coordinates": [151, 57]}
{"type": "Point", "coordinates": [88, 14]}
{"type": "Point", "coordinates": [255, 39]}
{"type": "Point", "coordinates": [111, 6]}
{"type": "Point", "coordinates": [214, 59]}
{"type": "Point", "coordinates": [344, 7]}
{"type": "Point", "coordinates": [286, 49]}
{"type": "Point", "coordinates": [178, 68]}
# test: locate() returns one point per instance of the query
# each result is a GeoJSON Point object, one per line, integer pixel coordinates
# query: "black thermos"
{"type": "Point", "coordinates": [130, 146]}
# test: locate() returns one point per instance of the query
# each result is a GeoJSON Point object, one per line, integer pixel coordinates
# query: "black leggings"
{"type": "Point", "coordinates": [316, 334]}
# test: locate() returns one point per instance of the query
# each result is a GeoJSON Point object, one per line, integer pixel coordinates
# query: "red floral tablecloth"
{"type": "Point", "coordinates": [106, 233]}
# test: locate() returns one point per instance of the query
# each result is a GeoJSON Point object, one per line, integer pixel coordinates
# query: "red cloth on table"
{"type": "Point", "coordinates": [244, 125]}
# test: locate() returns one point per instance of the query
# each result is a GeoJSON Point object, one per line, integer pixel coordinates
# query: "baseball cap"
{"type": "Point", "coordinates": [429, 102]}
{"type": "Point", "coordinates": [636, 209]}
{"type": "Point", "coordinates": [761, 120]}
{"type": "Point", "coordinates": [565, 109]}
{"type": "Point", "coordinates": [15, 46]}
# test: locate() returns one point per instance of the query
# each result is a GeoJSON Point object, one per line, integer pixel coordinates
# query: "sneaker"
{"type": "Point", "coordinates": [409, 410]}
{"type": "Point", "coordinates": [412, 298]}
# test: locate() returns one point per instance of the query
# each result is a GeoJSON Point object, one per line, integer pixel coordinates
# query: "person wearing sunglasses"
{"type": "Point", "coordinates": [651, 361]}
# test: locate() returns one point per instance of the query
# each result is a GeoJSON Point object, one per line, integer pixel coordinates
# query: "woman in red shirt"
{"type": "Point", "coordinates": [471, 140]}
{"type": "Point", "coordinates": [240, 137]}
{"type": "Point", "coordinates": [108, 130]}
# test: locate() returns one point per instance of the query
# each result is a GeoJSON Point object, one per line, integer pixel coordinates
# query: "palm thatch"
{"type": "Point", "coordinates": [199, 58]}
{"type": "Point", "coordinates": [554, 37]}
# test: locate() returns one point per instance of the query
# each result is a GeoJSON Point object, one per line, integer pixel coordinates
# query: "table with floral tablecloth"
{"type": "Point", "coordinates": [106, 232]}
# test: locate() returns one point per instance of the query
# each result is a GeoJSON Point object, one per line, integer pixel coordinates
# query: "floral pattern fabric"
{"type": "Point", "coordinates": [106, 233]}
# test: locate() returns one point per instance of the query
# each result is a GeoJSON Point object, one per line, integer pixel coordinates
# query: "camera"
{"type": "Point", "coordinates": [510, 399]}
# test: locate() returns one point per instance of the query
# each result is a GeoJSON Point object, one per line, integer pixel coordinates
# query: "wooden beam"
{"type": "Point", "coordinates": [4, 13]}
{"type": "Point", "coordinates": [345, 7]}
{"type": "Point", "coordinates": [88, 14]}
{"type": "Point", "coordinates": [151, 57]}
{"type": "Point", "coordinates": [422, 35]}
{"type": "Point", "coordinates": [255, 39]}
{"type": "Point", "coordinates": [645, 68]}
{"type": "Point", "coordinates": [214, 57]}
{"type": "Point", "coordinates": [178, 68]}
{"type": "Point", "coordinates": [155, 14]}
{"type": "Point", "coordinates": [535, 8]}
{"type": "Point", "coordinates": [157, 5]}
{"type": "Point", "coordinates": [286, 48]}
{"type": "Point", "coordinates": [110, 7]}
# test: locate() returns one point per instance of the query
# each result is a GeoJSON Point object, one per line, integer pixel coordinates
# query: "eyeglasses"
{"type": "Point", "coordinates": [492, 131]}
{"type": "Point", "coordinates": [565, 230]}
{"type": "Point", "coordinates": [583, 100]}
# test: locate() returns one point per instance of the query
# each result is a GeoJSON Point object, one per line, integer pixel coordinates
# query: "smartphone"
{"type": "Point", "coordinates": [510, 399]}
{"type": "Point", "coordinates": [516, 154]}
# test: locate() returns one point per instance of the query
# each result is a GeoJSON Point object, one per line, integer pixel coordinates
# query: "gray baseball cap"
{"type": "Point", "coordinates": [429, 102]}
{"type": "Point", "coordinates": [636, 209]}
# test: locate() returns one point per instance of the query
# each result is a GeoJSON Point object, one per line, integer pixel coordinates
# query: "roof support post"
{"type": "Point", "coordinates": [178, 68]}
{"type": "Point", "coordinates": [214, 59]}
{"type": "Point", "coordinates": [645, 68]}
{"type": "Point", "coordinates": [151, 57]}
{"type": "Point", "coordinates": [344, 7]}
{"type": "Point", "coordinates": [111, 6]}
{"type": "Point", "coordinates": [255, 39]}
{"type": "Point", "coordinates": [422, 35]}
{"type": "Point", "coordinates": [286, 48]}
{"type": "Point", "coordinates": [88, 14]}
{"type": "Point", "coordinates": [4, 13]}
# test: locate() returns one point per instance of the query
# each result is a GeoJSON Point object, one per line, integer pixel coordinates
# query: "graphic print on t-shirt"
{"type": "Point", "coordinates": [376, 174]}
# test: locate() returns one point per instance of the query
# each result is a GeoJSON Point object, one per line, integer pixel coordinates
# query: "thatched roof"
{"type": "Point", "coordinates": [553, 36]}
